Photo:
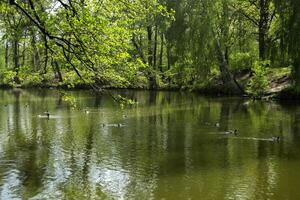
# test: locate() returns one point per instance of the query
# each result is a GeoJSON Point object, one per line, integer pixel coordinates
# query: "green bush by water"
{"type": "Point", "coordinates": [258, 83]}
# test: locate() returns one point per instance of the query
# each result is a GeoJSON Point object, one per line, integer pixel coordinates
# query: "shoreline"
{"type": "Point", "coordinates": [289, 93]}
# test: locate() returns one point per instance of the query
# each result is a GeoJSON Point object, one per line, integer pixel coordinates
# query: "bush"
{"type": "Point", "coordinates": [29, 78]}
{"type": "Point", "coordinates": [241, 60]}
{"type": "Point", "coordinates": [258, 83]}
{"type": "Point", "coordinates": [7, 77]}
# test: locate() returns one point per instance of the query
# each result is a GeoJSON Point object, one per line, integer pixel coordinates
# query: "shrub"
{"type": "Point", "coordinates": [258, 83]}
{"type": "Point", "coordinates": [7, 77]}
{"type": "Point", "coordinates": [241, 60]}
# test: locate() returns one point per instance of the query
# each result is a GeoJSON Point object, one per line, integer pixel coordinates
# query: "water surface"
{"type": "Point", "coordinates": [168, 146]}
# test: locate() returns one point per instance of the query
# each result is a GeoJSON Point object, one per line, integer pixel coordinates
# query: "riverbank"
{"type": "Point", "coordinates": [279, 85]}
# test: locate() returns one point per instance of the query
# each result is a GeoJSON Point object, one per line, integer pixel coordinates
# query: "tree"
{"type": "Point", "coordinates": [290, 24]}
{"type": "Point", "coordinates": [15, 24]}
{"type": "Point", "coordinates": [261, 13]}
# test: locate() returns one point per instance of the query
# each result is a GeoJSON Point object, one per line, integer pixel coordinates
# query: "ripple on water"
{"type": "Point", "coordinates": [11, 186]}
{"type": "Point", "coordinates": [161, 152]}
{"type": "Point", "coordinates": [112, 181]}
{"type": "Point", "coordinates": [7, 164]}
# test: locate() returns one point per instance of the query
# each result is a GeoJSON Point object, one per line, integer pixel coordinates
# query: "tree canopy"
{"type": "Point", "coordinates": [147, 43]}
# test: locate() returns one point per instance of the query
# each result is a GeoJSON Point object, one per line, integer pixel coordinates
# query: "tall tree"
{"type": "Point", "coordinates": [290, 22]}
{"type": "Point", "coordinates": [261, 13]}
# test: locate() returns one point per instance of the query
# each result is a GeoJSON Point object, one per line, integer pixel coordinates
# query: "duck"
{"type": "Point", "coordinates": [47, 114]}
{"type": "Point", "coordinates": [217, 124]}
{"type": "Point", "coordinates": [120, 125]}
{"type": "Point", "coordinates": [275, 139]}
{"type": "Point", "coordinates": [87, 112]}
{"type": "Point", "coordinates": [113, 125]}
{"type": "Point", "coordinates": [116, 125]}
{"type": "Point", "coordinates": [232, 132]}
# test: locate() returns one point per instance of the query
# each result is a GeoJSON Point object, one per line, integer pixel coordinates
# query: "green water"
{"type": "Point", "coordinates": [167, 147]}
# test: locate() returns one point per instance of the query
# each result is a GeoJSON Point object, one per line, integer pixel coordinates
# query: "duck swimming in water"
{"type": "Point", "coordinates": [232, 132]}
{"type": "Point", "coordinates": [275, 139]}
{"type": "Point", "coordinates": [47, 114]}
{"type": "Point", "coordinates": [112, 125]}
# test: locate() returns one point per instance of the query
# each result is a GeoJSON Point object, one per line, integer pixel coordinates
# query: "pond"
{"type": "Point", "coordinates": [171, 145]}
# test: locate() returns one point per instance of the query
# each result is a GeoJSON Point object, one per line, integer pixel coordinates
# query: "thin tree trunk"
{"type": "Point", "coordinates": [16, 60]}
{"type": "Point", "coordinates": [150, 53]}
{"type": "Point", "coordinates": [155, 47]}
{"type": "Point", "coordinates": [6, 54]}
{"type": "Point", "coordinates": [46, 54]}
{"type": "Point", "coordinates": [169, 57]}
{"type": "Point", "coordinates": [24, 52]}
{"type": "Point", "coordinates": [34, 54]}
{"type": "Point", "coordinates": [161, 53]}
{"type": "Point", "coordinates": [168, 61]}
{"type": "Point", "coordinates": [57, 71]}
{"type": "Point", "coordinates": [16, 56]}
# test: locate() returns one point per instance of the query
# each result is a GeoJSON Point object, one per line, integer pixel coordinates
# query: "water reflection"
{"type": "Point", "coordinates": [169, 147]}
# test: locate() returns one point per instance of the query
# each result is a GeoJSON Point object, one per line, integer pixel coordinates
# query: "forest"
{"type": "Point", "coordinates": [248, 47]}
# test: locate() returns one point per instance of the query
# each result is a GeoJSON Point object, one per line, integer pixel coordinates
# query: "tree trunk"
{"type": "Point", "coordinates": [138, 49]}
{"type": "Point", "coordinates": [230, 84]}
{"type": "Point", "coordinates": [169, 57]}
{"type": "Point", "coordinates": [16, 60]}
{"type": "Point", "coordinates": [161, 53]}
{"type": "Point", "coordinates": [150, 53]}
{"type": "Point", "coordinates": [6, 54]}
{"type": "Point", "coordinates": [168, 61]}
{"type": "Point", "coordinates": [155, 47]}
{"type": "Point", "coordinates": [34, 54]}
{"type": "Point", "coordinates": [57, 71]}
{"type": "Point", "coordinates": [263, 27]}
{"type": "Point", "coordinates": [46, 54]}
{"type": "Point", "coordinates": [151, 76]}
{"type": "Point", "coordinates": [296, 72]}
{"type": "Point", "coordinates": [16, 55]}
{"type": "Point", "coordinates": [24, 52]}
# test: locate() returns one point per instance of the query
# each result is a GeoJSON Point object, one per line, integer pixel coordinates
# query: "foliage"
{"type": "Point", "coordinates": [258, 83]}
{"type": "Point", "coordinates": [146, 44]}
{"type": "Point", "coordinates": [28, 77]}
{"type": "Point", "coordinates": [71, 100]}
{"type": "Point", "coordinates": [242, 60]}
{"type": "Point", "coordinates": [7, 77]}
{"type": "Point", "coordinates": [289, 11]}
